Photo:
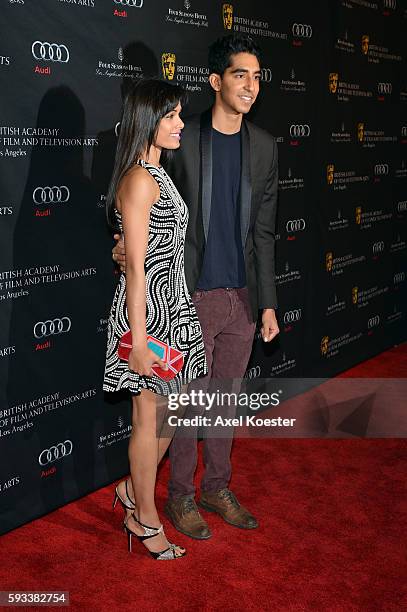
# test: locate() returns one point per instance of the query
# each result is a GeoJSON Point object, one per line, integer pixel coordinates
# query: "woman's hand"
{"type": "Point", "coordinates": [141, 359]}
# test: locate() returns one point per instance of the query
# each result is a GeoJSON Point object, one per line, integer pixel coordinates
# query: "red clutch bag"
{"type": "Point", "coordinates": [171, 356]}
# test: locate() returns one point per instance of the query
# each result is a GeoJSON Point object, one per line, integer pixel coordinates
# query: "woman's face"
{"type": "Point", "coordinates": [169, 129]}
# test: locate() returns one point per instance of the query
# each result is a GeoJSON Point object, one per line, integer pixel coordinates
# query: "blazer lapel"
{"type": "Point", "coordinates": [206, 168]}
{"type": "Point", "coordinates": [245, 184]}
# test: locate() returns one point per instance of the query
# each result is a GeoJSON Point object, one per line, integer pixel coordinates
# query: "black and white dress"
{"type": "Point", "coordinates": [170, 313]}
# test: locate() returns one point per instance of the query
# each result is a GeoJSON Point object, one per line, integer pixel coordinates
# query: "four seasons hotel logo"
{"type": "Point", "coordinates": [168, 62]}
{"type": "Point", "coordinates": [227, 14]}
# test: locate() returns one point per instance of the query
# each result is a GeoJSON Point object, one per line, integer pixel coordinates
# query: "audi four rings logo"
{"type": "Point", "coordinates": [302, 30]}
{"type": "Point", "coordinates": [384, 88]}
{"type": "Point", "coordinates": [295, 225]}
{"type": "Point", "coordinates": [253, 372]}
{"type": "Point", "coordinates": [391, 4]}
{"type": "Point", "coordinates": [266, 75]}
{"type": "Point", "coordinates": [50, 52]}
{"type": "Point", "coordinates": [131, 3]}
{"type": "Point", "coordinates": [297, 131]}
{"type": "Point", "coordinates": [292, 315]}
{"type": "Point", "coordinates": [381, 169]}
{"type": "Point", "coordinates": [404, 131]}
{"type": "Point", "coordinates": [399, 277]}
{"type": "Point", "coordinates": [53, 453]}
{"type": "Point", "coordinates": [373, 322]}
{"type": "Point", "coordinates": [53, 327]}
{"type": "Point", "coordinates": [378, 247]}
{"type": "Point", "coordinates": [51, 195]}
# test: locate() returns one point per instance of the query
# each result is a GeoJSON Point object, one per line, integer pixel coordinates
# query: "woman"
{"type": "Point", "coordinates": [152, 298]}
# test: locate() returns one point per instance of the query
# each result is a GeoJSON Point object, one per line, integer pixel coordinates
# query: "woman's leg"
{"type": "Point", "coordinates": [143, 457]}
{"type": "Point", "coordinates": [164, 435]}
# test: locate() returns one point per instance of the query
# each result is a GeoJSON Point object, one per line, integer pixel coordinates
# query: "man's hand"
{"type": "Point", "coordinates": [269, 328]}
{"type": "Point", "coordinates": [118, 252]}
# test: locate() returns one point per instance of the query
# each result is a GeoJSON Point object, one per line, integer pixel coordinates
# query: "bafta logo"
{"type": "Point", "coordinates": [358, 215]}
{"type": "Point", "coordinates": [227, 12]}
{"type": "Point", "coordinates": [168, 65]}
{"type": "Point", "coordinates": [361, 132]}
{"type": "Point", "coordinates": [354, 295]}
{"type": "Point", "coordinates": [365, 44]}
{"type": "Point", "coordinates": [333, 82]}
{"type": "Point", "coordinates": [324, 345]}
{"type": "Point", "coordinates": [330, 174]}
{"type": "Point", "coordinates": [328, 261]}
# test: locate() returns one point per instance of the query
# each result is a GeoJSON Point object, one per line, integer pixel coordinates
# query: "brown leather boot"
{"type": "Point", "coordinates": [224, 503]}
{"type": "Point", "coordinates": [184, 515]}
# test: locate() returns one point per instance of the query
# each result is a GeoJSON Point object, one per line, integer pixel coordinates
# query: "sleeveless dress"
{"type": "Point", "coordinates": [170, 313]}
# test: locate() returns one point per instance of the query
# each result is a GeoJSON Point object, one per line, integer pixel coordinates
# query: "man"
{"type": "Point", "coordinates": [226, 171]}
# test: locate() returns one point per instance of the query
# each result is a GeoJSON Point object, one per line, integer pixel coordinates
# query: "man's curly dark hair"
{"type": "Point", "coordinates": [222, 49]}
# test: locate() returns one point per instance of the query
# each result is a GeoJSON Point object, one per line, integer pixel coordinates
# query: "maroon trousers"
{"type": "Point", "coordinates": [228, 332]}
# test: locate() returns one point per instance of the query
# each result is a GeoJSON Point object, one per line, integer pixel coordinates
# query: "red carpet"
{"type": "Point", "coordinates": [332, 535]}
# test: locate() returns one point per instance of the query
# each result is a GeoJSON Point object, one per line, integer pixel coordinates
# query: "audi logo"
{"type": "Point", "coordinates": [53, 327]}
{"type": "Point", "coordinates": [133, 3]}
{"type": "Point", "coordinates": [253, 372]}
{"type": "Point", "coordinates": [51, 195]}
{"type": "Point", "coordinates": [381, 169]}
{"type": "Point", "coordinates": [295, 225]}
{"type": "Point", "coordinates": [297, 131]}
{"type": "Point", "coordinates": [399, 277]}
{"type": "Point", "coordinates": [116, 129]}
{"type": "Point", "coordinates": [402, 206]}
{"type": "Point", "coordinates": [384, 88]}
{"type": "Point", "coordinates": [50, 52]}
{"type": "Point", "coordinates": [266, 75]}
{"type": "Point", "coordinates": [404, 131]}
{"type": "Point", "coordinates": [53, 453]}
{"type": "Point", "coordinates": [373, 322]}
{"type": "Point", "coordinates": [390, 4]}
{"type": "Point", "coordinates": [378, 247]}
{"type": "Point", "coordinates": [292, 315]}
{"type": "Point", "coordinates": [302, 30]}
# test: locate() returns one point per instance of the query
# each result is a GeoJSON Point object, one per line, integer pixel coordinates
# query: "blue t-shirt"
{"type": "Point", "coordinates": [223, 262]}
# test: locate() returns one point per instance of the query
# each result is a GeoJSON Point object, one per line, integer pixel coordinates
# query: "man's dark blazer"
{"type": "Point", "coordinates": [191, 170]}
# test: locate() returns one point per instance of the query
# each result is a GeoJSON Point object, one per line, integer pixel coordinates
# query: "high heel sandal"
{"type": "Point", "coordinates": [150, 532]}
{"type": "Point", "coordinates": [127, 504]}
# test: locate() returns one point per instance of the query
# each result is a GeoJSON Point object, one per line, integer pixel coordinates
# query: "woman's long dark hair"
{"type": "Point", "coordinates": [145, 105]}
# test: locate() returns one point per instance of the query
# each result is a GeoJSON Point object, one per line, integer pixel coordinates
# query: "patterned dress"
{"type": "Point", "coordinates": [170, 313]}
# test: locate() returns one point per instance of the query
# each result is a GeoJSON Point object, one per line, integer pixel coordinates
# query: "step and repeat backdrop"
{"type": "Point", "coordinates": [333, 93]}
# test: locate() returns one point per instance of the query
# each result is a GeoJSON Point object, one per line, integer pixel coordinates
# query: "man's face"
{"type": "Point", "coordinates": [239, 86]}
{"type": "Point", "coordinates": [168, 62]}
{"type": "Point", "coordinates": [330, 174]}
{"type": "Point", "coordinates": [333, 82]}
{"type": "Point", "coordinates": [365, 44]}
{"type": "Point", "coordinates": [228, 16]}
